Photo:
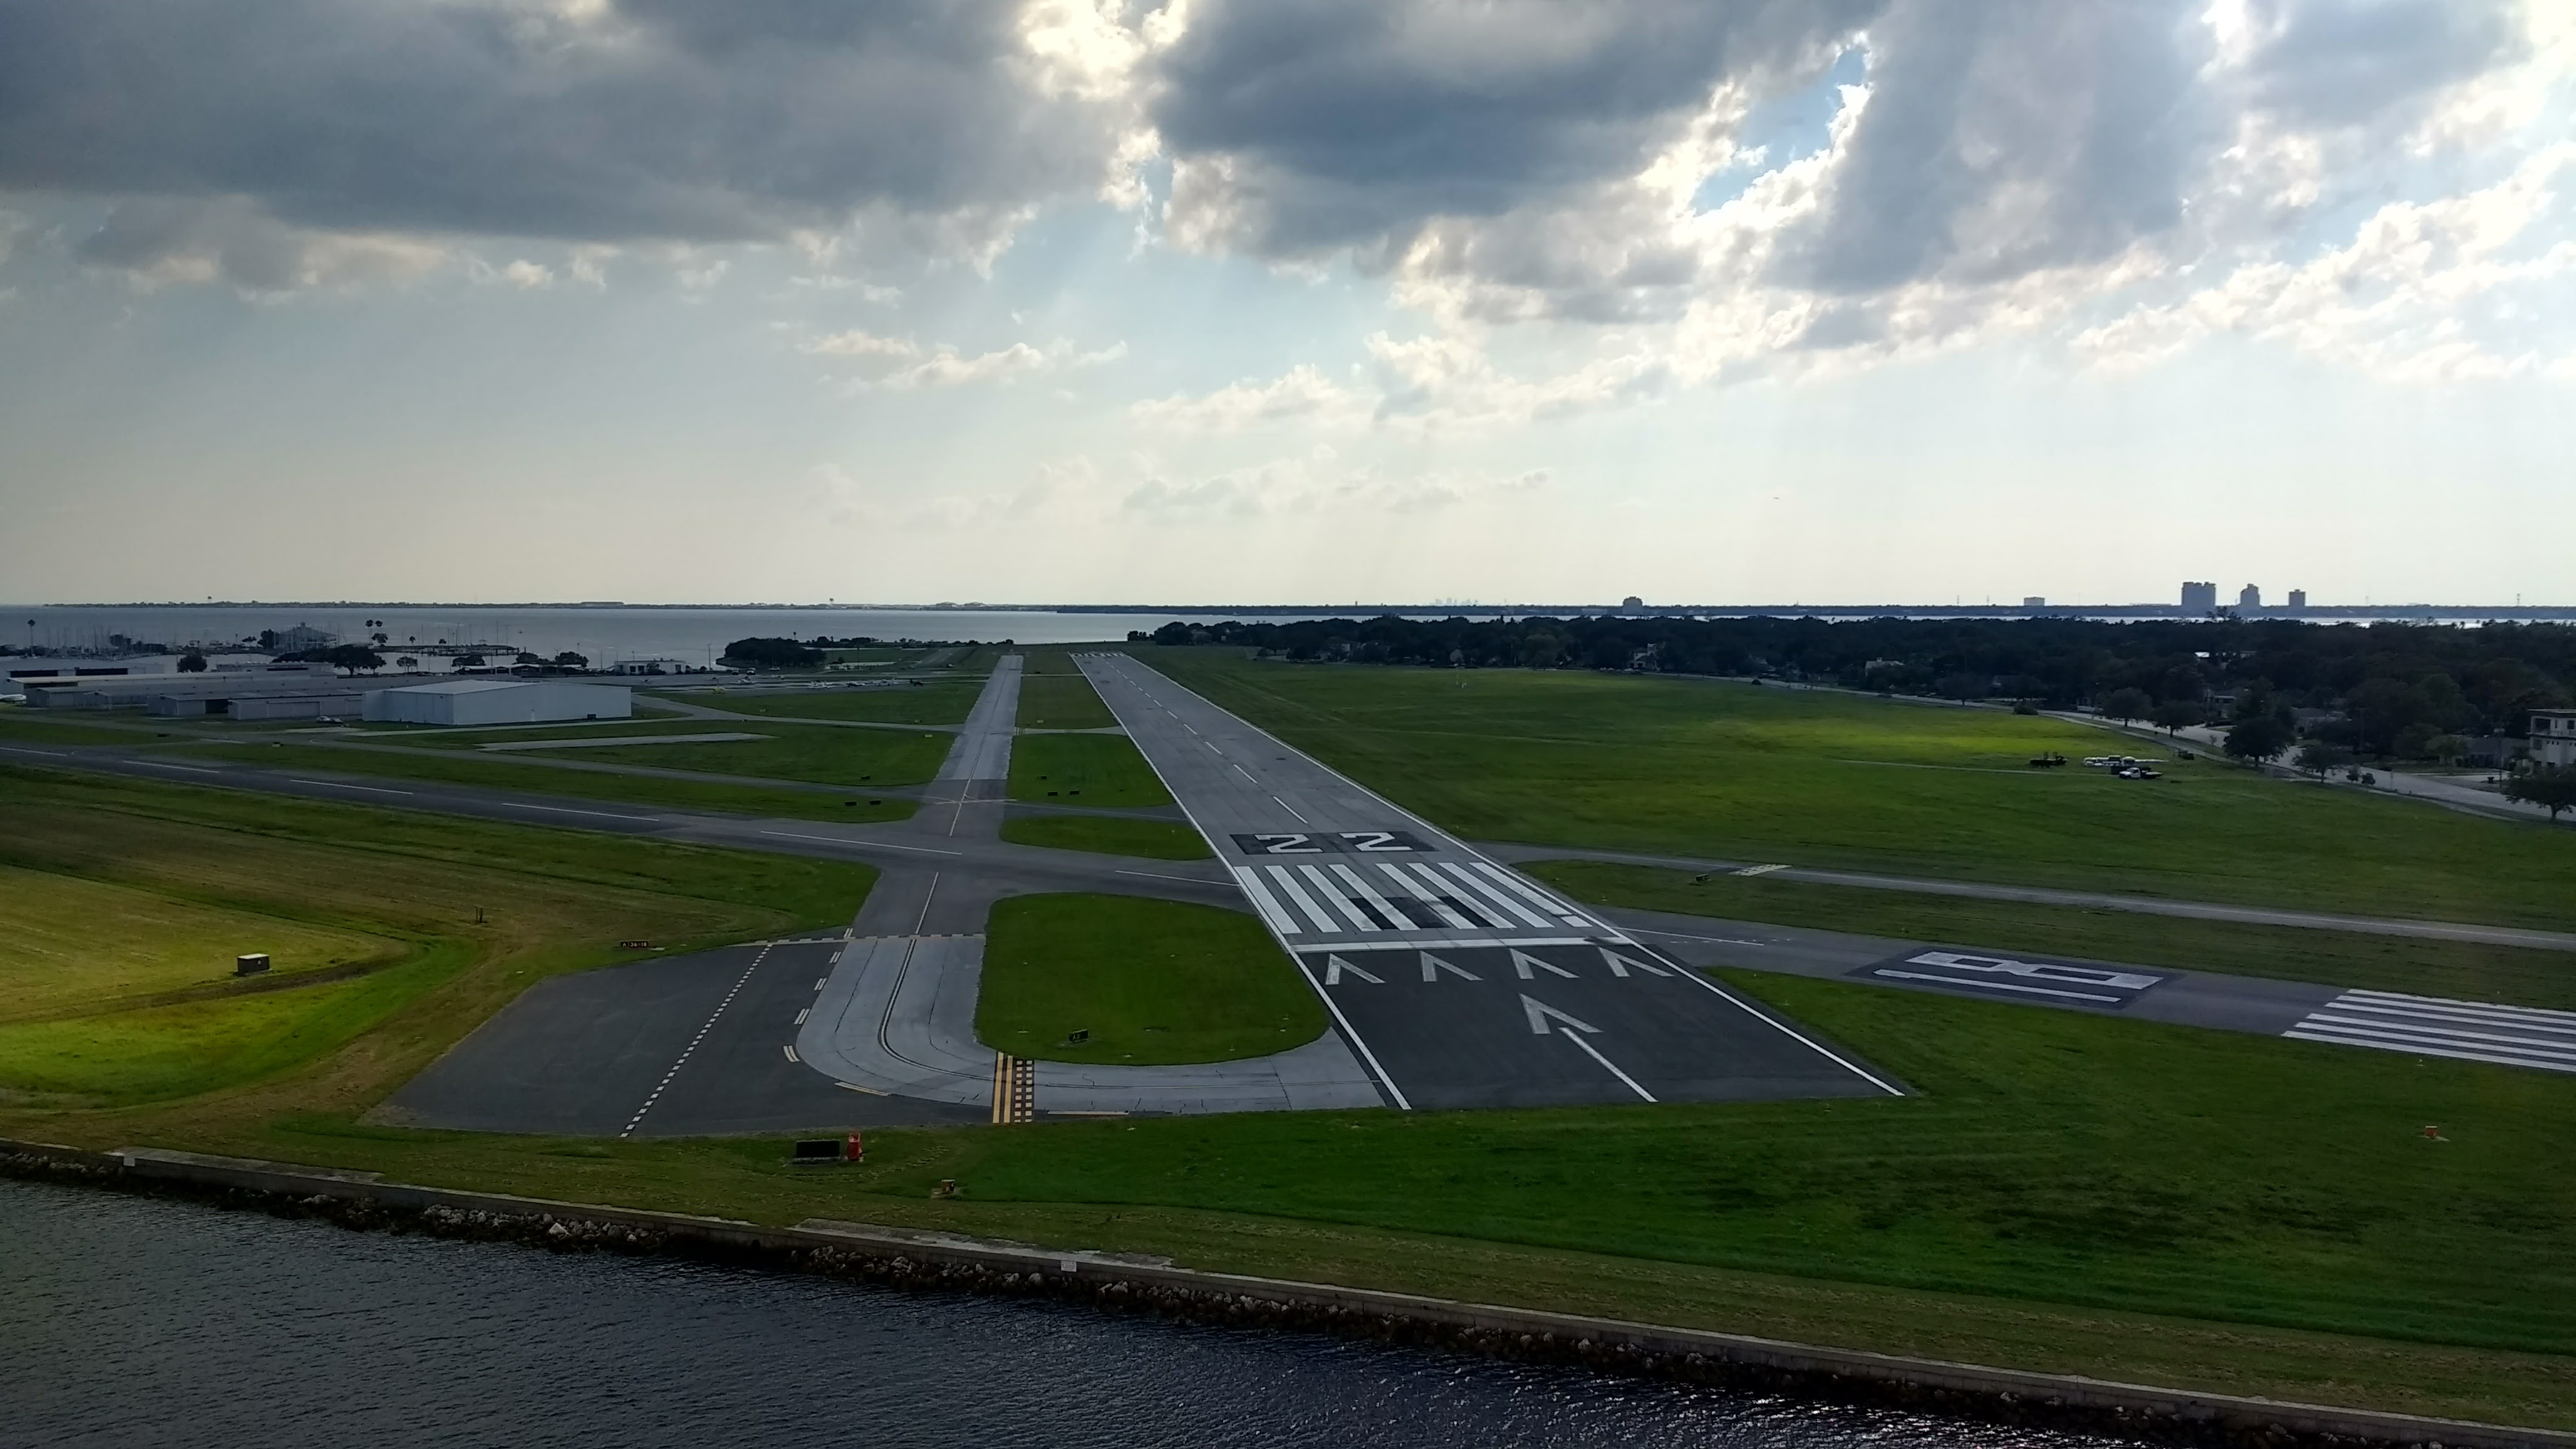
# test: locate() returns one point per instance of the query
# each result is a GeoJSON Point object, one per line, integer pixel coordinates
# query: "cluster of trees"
{"type": "Point", "coordinates": [772, 653]}
{"type": "Point", "coordinates": [2383, 690]}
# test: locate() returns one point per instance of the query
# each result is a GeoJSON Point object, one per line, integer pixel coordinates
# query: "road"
{"type": "Point", "coordinates": [1459, 982]}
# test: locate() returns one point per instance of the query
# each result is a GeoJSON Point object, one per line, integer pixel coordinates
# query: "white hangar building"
{"type": "Point", "coordinates": [500, 701]}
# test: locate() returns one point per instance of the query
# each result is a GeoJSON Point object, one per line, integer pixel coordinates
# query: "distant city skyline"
{"type": "Point", "coordinates": [1287, 300]}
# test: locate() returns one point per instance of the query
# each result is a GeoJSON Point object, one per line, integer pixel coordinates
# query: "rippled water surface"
{"type": "Point", "coordinates": [130, 1321]}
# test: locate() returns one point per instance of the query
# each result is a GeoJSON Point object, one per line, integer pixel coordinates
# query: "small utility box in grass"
{"type": "Point", "coordinates": [250, 965]}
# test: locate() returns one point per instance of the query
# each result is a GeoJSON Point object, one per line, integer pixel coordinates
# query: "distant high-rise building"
{"type": "Point", "coordinates": [2250, 599]}
{"type": "Point", "coordinates": [2298, 601]}
{"type": "Point", "coordinates": [2033, 602]}
{"type": "Point", "coordinates": [2200, 598]}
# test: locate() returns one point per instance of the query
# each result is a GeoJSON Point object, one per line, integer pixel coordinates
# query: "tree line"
{"type": "Point", "coordinates": [2388, 690]}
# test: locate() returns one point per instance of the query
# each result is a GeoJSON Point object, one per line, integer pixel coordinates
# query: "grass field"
{"type": "Point", "coordinates": [539, 777]}
{"type": "Point", "coordinates": [1736, 772]}
{"type": "Point", "coordinates": [1061, 702]}
{"type": "Point", "coordinates": [2511, 974]}
{"type": "Point", "coordinates": [1092, 769]}
{"type": "Point", "coordinates": [1153, 982]}
{"type": "Point", "coordinates": [818, 754]}
{"type": "Point", "coordinates": [75, 944]}
{"type": "Point", "coordinates": [942, 702]}
{"type": "Point", "coordinates": [1107, 835]}
{"type": "Point", "coordinates": [407, 888]}
{"type": "Point", "coordinates": [19, 726]}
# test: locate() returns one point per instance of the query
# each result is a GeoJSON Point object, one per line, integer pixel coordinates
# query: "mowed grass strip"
{"type": "Point", "coordinates": [1151, 982]}
{"type": "Point", "coordinates": [1107, 835]}
{"type": "Point", "coordinates": [19, 726]}
{"type": "Point", "coordinates": [2514, 975]}
{"type": "Point", "coordinates": [939, 702]}
{"type": "Point", "coordinates": [2051, 1156]}
{"type": "Point", "coordinates": [538, 777]}
{"type": "Point", "coordinates": [1731, 771]}
{"type": "Point", "coordinates": [1084, 769]}
{"type": "Point", "coordinates": [74, 943]}
{"type": "Point", "coordinates": [782, 750]}
{"type": "Point", "coordinates": [1062, 702]}
{"type": "Point", "coordinates": [482, 911]}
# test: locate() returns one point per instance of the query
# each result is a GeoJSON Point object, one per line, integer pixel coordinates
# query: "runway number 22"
{"type": "Point", "coordinates": [1375, 840]}
{"type": "Point", "coordinates": [1288, 845]}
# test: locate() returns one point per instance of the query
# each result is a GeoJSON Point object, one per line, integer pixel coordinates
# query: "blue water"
{"type": "Point", "coordinates": [136, 1322]}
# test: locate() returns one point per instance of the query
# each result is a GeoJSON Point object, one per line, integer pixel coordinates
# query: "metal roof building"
{"type": "Point", "coordinates": [500, 701]}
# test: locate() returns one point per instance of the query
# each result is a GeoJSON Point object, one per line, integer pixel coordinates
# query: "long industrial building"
{"type": "Point", "coordinates": [500, 701]}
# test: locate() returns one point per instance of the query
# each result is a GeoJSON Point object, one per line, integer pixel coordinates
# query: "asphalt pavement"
{"type": "Point", "coordinates": [1459, 982]}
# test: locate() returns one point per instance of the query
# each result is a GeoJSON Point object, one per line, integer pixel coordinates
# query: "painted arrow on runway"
{"type": "Point", "coordinates": [1540, 1013]}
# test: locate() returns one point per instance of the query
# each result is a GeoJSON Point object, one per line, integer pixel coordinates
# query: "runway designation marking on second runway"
{"type": "Point", "coordinates": [2061, 983]}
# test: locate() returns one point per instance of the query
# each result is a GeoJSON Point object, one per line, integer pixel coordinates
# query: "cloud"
{"type": "Point", "coordinates": [1301, 395]}
{"type": "Point", "coordinates": [945, 366]}
{"type": "Point", "coordinates": [157, 242]}
{"type": "Point", "coordinates": [621, 121]}
{"type": "Point", "coordinates": [2425, 292]}
{"type": "Point", "coordinates": [1305, 126]}
{"type": "Point", "coordinates": [1317, 483]}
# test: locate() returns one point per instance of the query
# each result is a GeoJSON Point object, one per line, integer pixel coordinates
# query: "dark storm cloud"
{"type": "Point", "coordinates": [2010, 135]}
{"type": "Point", "coordinates": [1348, 122]}
{"type": "Point", "coordinates": [693, 120]}
{"type": "Point", "coordinates": [2347, 62]}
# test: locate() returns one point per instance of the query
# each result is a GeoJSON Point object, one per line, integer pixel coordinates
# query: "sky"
{"type": "Point", "coordinates": [1287, 301]}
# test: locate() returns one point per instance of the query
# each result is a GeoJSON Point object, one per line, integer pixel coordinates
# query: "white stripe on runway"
{"type": "Point", "coordinates": [1279, 920]}
{"type": "Point", "coordinates": [1394, 919]}
{"type": "Point", "coordinates": [1484, 891]}
{"type": "Point", "coordinates": [1295, 892]}
{"type": "Point", "coordinates": [2475, 1031]}
{"type": "Point", "coordinates": [1447, 894]}
{"type": "Point", "coordinates": [1447, 916]}
{"type": "Point", "coordinates": [1325, 890]}
{"type": "Point", "coordinates": [1553, 907]}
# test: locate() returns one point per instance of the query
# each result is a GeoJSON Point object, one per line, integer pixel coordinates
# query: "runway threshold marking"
{"type": "Point", "coordinates": [2473, 1031]}
{"type": "Point", "coordinates": [687, 1051]}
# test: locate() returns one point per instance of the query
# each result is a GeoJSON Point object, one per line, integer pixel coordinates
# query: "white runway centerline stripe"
{"type": "Point", "coordinates": [2473, 1031]}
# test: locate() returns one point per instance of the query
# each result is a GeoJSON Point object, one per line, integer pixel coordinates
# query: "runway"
{"type": "Point", "coordinates": [1460, 983]}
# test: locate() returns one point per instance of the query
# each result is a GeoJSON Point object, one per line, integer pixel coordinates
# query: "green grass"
{"type": "Point", "coordinates": [461, 914]}
{"type": "Point", "coordinates": [538, 777]}
{"type": "Point", "coordinates": [1090, 769]}
{"type": "Point", "coordinates": [942, 702]}
{"type": "Point", "coordinates": [18, 726]}
{"type": "Point", "coordinates": [1735, 772]}
{"type": "Point", "coordinates": [158, 1053]}
{"type": "Point", "coordinates": [819, 754]}
{"type": "Point", "coordinates": [76, 943]}
{"type": "Point", "coordinates": [2516, 975]}
{"type": "Point", "coordinates": [1107, 835]}
{"type": "Point", "coordinates": [1153, 982]}
{"type": "Point", "coordinates": [1061, 702]}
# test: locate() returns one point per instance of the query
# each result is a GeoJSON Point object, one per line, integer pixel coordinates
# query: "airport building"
{"type": "Point", "coordinates": [2553, 737]}
{"type": "Point", "coordinates": [275, 691]}
{"type": "Point", "coordinates": [500, 701]}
